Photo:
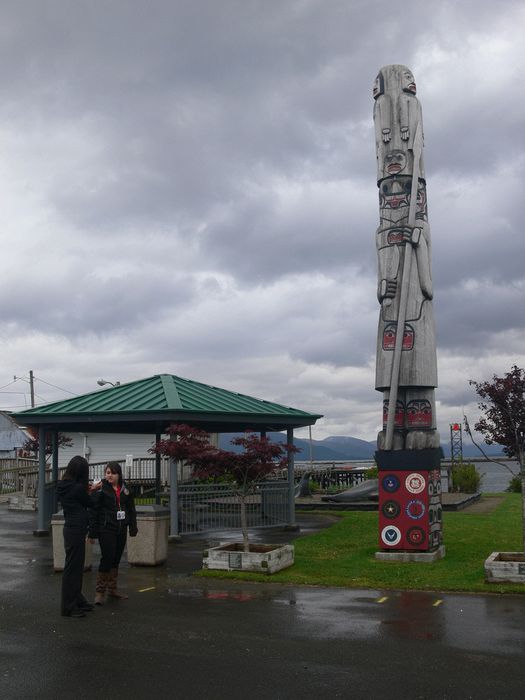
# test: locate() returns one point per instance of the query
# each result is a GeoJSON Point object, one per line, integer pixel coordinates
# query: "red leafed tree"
{"type": "Point", "coordinates": [243, 470]}
{"type": "Point", "coordinates": [502, 401]}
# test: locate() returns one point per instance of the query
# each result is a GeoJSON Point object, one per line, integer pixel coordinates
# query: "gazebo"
{"type": "Point", "coordinates": [150, 406]}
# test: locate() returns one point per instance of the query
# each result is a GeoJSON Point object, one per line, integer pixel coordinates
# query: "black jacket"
{"type": "Point", "coordinates": [103, 515]}
{"type": "Point", "coordinates": [75, 501]}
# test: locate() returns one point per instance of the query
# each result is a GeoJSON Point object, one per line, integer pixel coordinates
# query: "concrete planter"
{"type": "Point", "coordinates": [505, 567]}
{"type": "Point", "coordinates": [20, 502]}
{"type": "Point", "coordinates": [150, 546]}
{"type": "Point", "coordinates": [262, 558]}
{"type": "Point", "coordinates": [59, 555]}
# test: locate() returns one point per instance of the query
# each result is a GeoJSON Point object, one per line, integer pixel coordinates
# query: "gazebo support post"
{"type": "Point", "coordinates": [291, 483]}
{"type": "Point", "coordinates": [157, 470]}
{"type": "Point", "coordinates": [54, 469]}
{"type": "Point", "coordinates": [174, 499]}
{"type": "Point", "coordinates": [41, 530]}
{"type": "Point", "coordinates": [54, 456]}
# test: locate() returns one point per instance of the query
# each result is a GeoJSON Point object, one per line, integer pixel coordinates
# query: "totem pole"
{"type": "Point", "coordinates": [408, 454]}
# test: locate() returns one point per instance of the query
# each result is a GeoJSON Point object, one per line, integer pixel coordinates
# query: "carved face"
{"type": "Point", "coordinates": [395, 192]}
{"type": "Point", "coordinates": [399, 418]}
{"type": "Point", "coordinates": [395, 162]}
{"type": "Point", "coordinates": [408, 82]}
{"type": "Point", "coordinates": [389, 337]}
{"type": "Point", "coordinates": [378, 87]}
{"type": "Point", "coordinates": [419, 414]}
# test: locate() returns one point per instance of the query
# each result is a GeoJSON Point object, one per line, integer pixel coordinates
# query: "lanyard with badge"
{"type": "Point", "coordinates": [121, 514]}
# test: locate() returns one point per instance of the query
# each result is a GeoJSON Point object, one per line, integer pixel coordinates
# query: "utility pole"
{"type": "Point", "coordinates": [32, 388]}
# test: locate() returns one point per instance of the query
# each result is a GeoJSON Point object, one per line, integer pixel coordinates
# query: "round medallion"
{"type": "Point", "coordinates": [390, 483]}
{"type": "Point", "coordinates": [391, 535]}
{"type": "Point", "coordinates": [415, 483]}
{"type": "Point", "coordinates": [416, 536]}
{"type": "Point", "coordinates": [415, 509]}
{"type": "Point", "coordinates": [391, 509]}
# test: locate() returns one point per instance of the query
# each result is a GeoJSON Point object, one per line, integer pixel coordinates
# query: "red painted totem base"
{"type": "Point", "coordinates": [410, 511]}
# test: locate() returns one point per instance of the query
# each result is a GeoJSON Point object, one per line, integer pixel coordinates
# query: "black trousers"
{"type": "Point", "coordinates": [75, 548]}
{"type": "Point", "coordinates": [111, 548]}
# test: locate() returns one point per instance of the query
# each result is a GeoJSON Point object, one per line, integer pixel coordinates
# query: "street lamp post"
{"type": "Point", "coordinates": [103, 382]}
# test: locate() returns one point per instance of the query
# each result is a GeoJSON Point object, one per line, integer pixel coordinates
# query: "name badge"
{"type": "Point", "coordinates": [121, 514]}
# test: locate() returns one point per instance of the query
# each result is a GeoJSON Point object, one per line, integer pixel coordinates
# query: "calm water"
{"type": "Point", "coordinates": [495, 477]}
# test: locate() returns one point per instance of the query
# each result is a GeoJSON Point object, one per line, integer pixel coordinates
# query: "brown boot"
{"type": "Point", "coordinates": [100, 588]}
{"type": "Point", "coordinates": [113, 592]}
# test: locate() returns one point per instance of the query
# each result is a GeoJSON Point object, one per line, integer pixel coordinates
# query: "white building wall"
{"type": "Point", "coordinates": [104, 447]}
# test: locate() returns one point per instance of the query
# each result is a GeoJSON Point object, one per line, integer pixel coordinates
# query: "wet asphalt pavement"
{"type": "Point", "coordinates": [185, 637]}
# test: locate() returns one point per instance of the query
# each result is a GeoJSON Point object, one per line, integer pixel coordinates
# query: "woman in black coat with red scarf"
{"type": "Point", "coordinates": [113, 514]}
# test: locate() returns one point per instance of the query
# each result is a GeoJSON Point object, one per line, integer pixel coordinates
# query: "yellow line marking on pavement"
{"type": "Point", "coordinates": [438, 602]}
{"type": "Point", "coordinates": [382, 600]}
{"type": "Point", "coordinates": [143, 590]}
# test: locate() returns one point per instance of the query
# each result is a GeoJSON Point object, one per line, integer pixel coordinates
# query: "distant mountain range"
{"type": "Point", "coordinates": [339, 448]}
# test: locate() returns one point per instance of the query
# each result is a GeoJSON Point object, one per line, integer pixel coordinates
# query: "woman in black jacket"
{"type": "Point", "coordinates": [113, 514]}
{"type": "Point", "coordinates": [73, 494]}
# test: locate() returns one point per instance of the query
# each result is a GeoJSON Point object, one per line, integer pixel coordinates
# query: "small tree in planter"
{"type": "Point", "coordinates": [502, 402]}
{"type": "Point", "coordinates": [244, 471]}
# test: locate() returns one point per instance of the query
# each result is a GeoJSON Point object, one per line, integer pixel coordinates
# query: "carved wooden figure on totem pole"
{"type": "Point", "coordinates": [406, 367]}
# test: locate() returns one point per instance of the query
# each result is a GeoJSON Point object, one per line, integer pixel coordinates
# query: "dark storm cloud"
{"type": "Point", "coordinates": [78, 304]}
{"type": "Point", "coordinates": [193, 183]}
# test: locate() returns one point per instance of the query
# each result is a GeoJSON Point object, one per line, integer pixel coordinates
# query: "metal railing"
{"type": "Point", "coordinates": [324, 464]}
{"type": "Point", "coordinates": [202, 507]}
{"type": "Point", "coordinates": [205, 507]}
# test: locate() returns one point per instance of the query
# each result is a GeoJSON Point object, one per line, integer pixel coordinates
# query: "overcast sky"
{"type": "Point", "coordinates": [188, 187]}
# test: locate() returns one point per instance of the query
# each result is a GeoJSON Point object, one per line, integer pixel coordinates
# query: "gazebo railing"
{"type": "Point", "coordinates": [202, 507]}
{"type": "Point", "coordinates": [205, 507]}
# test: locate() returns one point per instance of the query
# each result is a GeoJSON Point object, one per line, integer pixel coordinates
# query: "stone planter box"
{"type": "Point", "coordinates": [59, 555]}
{"type": "Point", "coordinates": [150, 546]}
{"type": "Point", "coordinates": [505, 567]}
{"type": "Point", "coordinates": [22, 503]}
{"type": "Point", "coordinates": [262, 558]}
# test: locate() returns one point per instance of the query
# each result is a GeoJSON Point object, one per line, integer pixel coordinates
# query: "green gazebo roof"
{"type": "Point", "coordinates": [150, 405]}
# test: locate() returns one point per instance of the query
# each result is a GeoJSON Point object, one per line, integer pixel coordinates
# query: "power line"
{"type": "Point", "coordinates": [9, 384]}
{"type": "Point", "coordinates": [56, 387]}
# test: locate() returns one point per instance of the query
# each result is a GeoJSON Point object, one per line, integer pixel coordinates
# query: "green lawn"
{"type": "Point", "coordinates": [343, 554]}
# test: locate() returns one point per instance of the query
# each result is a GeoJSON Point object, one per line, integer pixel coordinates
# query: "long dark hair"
{"type": "Point", "coordinates": [115, 468]}
{"type": "Point", "coordinates": [77, 470]}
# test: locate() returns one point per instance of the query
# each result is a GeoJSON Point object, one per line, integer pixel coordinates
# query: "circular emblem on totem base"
{"type": "Point", "coordinates": [390, 483]}
{"type": "Point", "coordinates": [391, 509]}
{"type": "Point", "coordinates": [415, 483]}
{"type": "Point", "coordinates": [391, 535]}
{"type": "Point", "coordinates": [416, 536]}
{"type": "Point", "coordinates": [415, 509]}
